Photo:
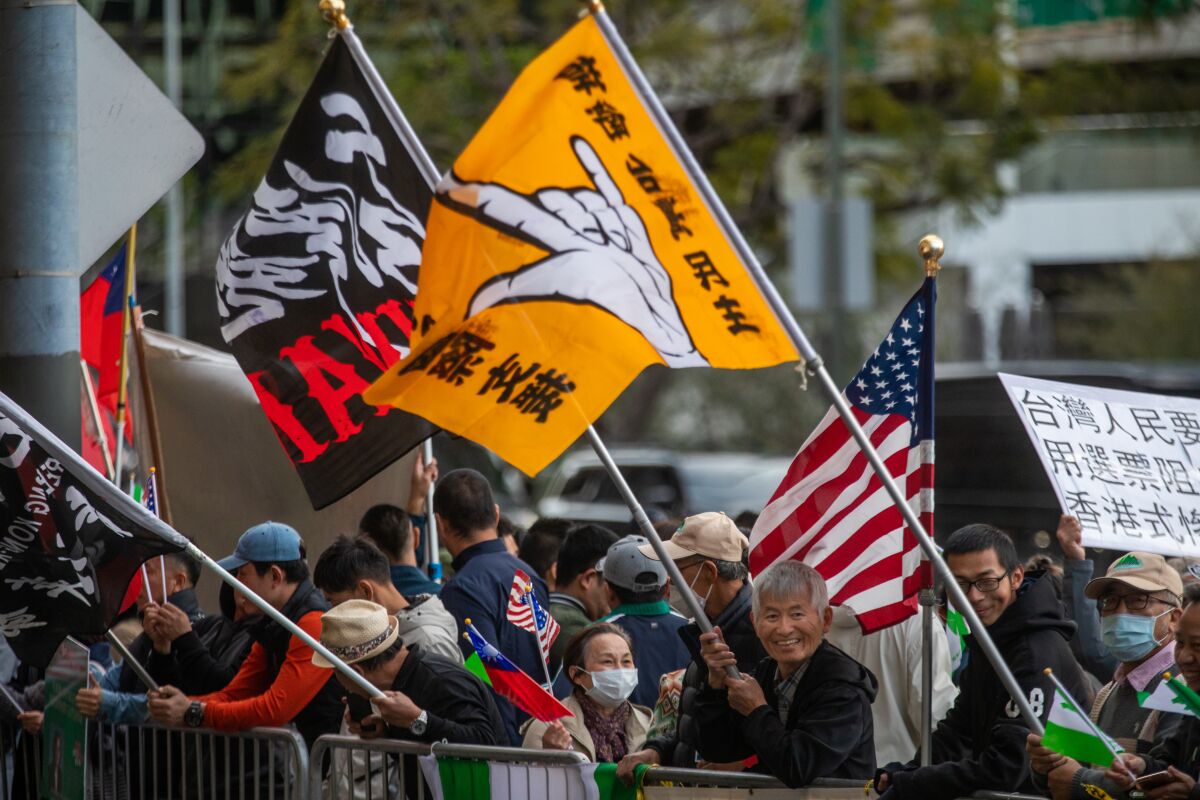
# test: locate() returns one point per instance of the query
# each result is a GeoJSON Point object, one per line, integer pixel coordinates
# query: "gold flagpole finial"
{"type": "Point", "coordinates": [334, 12]}
{"type": "Point", "coordinates": [931, 248]}
{"type": "Point", "coordinates": [592, 7]}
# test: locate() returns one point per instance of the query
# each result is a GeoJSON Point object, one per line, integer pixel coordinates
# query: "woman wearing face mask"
{"type": "Point", "coordinates": [599, 663]}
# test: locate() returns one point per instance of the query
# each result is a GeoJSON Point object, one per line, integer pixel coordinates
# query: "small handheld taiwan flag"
{"type": "Point", "coordinates": [509, 681]}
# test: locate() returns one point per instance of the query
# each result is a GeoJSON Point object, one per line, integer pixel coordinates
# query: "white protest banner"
{"type": "Point", "coordinates": [1124, 463]}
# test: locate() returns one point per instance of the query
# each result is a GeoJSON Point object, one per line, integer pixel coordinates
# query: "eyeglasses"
{"type": "Point", "coordinates": [984, 585]}
{"type": "Point", "coordinates": [1133, 602]}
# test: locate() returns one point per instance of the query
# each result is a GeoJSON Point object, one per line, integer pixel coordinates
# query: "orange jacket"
{"type": "Point", "coordinates": [252, 699]}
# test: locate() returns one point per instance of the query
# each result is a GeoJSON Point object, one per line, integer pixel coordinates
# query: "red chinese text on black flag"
{"type": "Point", "coordinates": [70, 541]}
{"type": "Point", "coordinates": [315, 285]}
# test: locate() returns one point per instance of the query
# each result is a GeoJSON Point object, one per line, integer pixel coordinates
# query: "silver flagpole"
{"type": "Point", "coordinates": [335, 14]}
{"type": "Point", "coordinates": [277, 616]}
{"type": "Point", "coordinates": [647, 529]}
{"type": "Point", "coordinates": [926, 677]}
{"type": "Point", "coordinates": [813, 364]}
{"type": "Point", "coordinates": [127, 658]}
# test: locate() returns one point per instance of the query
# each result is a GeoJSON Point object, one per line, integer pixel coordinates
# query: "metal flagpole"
{"type": "Point", "coordinates": [334, 12]}
{"type": "Point", "coordinates": [276, 616]}
{"type": "Point", "coordinates": [926, 598]}
{"type": "Point", "coordinates": [127, 658]}
{"type": "Point", "coordinates": [813, 365]}
{"type": "Point", "coordinates": [94, 410]}
{"type": "Point", "coordinates": [931, 249]}
{"type": "Point", "coordinates": [433, 559]}
{"type": "Point", "coordinates": [126, 316]}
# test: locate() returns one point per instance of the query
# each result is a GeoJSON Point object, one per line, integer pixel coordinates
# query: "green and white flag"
{"type": "Point", "coordinates": [1070, 733]}
{"type": "Point", "coordinates": [1163, 699]}
{"type": "Point", "coordinates": [467, 779]}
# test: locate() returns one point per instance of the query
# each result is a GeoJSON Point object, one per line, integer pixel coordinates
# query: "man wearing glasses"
{"type": "Point", "coordinates": [1139, 600]}
{"type": "Point", "coordinates": [980, 745]}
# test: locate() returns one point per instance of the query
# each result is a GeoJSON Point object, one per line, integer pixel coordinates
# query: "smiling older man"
{"type": "Point", "coordinates": [806, 711]}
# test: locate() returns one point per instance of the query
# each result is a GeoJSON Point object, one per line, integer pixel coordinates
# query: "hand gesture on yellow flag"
{"type": "Point", "coordinates": [568, 249]}
{"type": "Point", "coordinates": [601, 254]}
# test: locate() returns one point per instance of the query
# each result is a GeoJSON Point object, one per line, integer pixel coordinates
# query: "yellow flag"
{"type": "Point", "coordinates": [567, 250]}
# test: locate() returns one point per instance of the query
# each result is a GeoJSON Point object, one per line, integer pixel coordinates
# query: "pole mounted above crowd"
{"type": "Point", "coordinates": [334, 12]}
{"type": "Point", "coordinates": [931, 248]}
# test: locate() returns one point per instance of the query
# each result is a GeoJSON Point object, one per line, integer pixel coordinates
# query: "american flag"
{"type": "Point", "coordinates": [151, 501]}
{"type": "Point", "coordinates": [526, 612]}
{"type": "Point", "coordinates": [832, 512]}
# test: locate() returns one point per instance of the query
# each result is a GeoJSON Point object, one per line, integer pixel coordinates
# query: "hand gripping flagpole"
{"type": "Point", "coordinates": [278, 617]}
{"type": "Point", "coordinates": [813, 365]}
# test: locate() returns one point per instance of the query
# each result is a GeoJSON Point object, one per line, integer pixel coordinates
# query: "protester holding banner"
{"type": "Point", "coordinates": [981, 742]}
{"type": "Point", "coordinates": [355, 569]}
{"type": "Point", "coordinates": [606, 725]}
{"type": "Point", "coordinates": [805, 711]}
{"type": "Point", "coordinates": [277, 684]}
{"type": "Point", "coordinates": [1139, 600]}
{"type": "Point", "coordinates": [483, 576]}
{"type": "Point", "coordinates": [708, 549]}
{"type": "Point", "coordinates": [637, 591]}
{"type": "Point", "coordinates": [1175, 755]}
{"type": "Point", "coordinates": [579, 598]}
{"type": "Point", "coordinates": [1086, 644]}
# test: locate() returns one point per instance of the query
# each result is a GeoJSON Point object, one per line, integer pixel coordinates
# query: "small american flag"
{"type": "Point", "coordinates": [832, 512]}
{"type": "Point", "coordinates": [151, 501]}
{"type": "Point", "coordinates": [527, 613]}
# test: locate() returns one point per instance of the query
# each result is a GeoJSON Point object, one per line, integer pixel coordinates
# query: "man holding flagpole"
{"type": "Point", "coordinates": [1139, 602]}
{"type": "Point", "coordinates": [981, 742]}
{"type": "Point", "coordinates": [467, 516]}
{"type": "Point", "coordinates": [277, 683]}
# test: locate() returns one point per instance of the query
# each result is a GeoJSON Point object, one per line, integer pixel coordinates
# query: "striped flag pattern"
{"type": "Point", "coordinates": [151, 501]}
{"type": "Point", "coordinates": [833, 513]}
{"type": "Point", "coordinates": [527, 613]}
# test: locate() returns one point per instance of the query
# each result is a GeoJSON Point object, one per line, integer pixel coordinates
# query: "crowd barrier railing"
{"type": "Point", "coordinates": [366, 769]}
{"type": "Point", "coordinates": [144, 762]}
{"type": "Point", "coordinates": [132, 762]}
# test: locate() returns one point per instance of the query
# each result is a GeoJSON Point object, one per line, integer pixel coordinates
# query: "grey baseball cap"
{"type": "Point", "coordinates": [626, 566]}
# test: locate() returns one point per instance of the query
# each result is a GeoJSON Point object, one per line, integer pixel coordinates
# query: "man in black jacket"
{"type": "Point", "coordinates": [708, 550]}
{"type": "Point", "coordinates": [806, 712]}
{"type": "Point", "coordinates": [427, 697]}
{"type": "Point", "coordinates": [980, 745]}
{"type": "Point", "coordinates": [199, 659]}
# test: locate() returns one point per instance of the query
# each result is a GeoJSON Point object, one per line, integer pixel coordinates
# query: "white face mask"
{"type": "Point", "coordinates": [612, 687]}
{"type": "Point", "coordinates": [679, 604]}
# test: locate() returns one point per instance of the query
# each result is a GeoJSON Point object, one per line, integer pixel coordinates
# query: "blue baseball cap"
{"type": "Point", "coordinates": [265, 542]}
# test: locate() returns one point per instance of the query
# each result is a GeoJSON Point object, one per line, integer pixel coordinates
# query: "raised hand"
{"type": "Point", "coordinates": [600, 253]}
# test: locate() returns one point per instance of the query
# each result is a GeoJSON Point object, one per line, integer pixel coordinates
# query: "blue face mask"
{"type": "Point", "coordinates": [1129, 637]}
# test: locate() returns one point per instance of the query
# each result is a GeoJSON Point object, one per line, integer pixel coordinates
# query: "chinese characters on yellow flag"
{"type": "Point", "coordinates": [567, 250]}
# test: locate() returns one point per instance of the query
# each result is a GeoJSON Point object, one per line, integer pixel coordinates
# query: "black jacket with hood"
{"type": "Point", "coordinates": [981, 742]}
{"type": "Point", "coordinates": [828, 733]}
{"type": "Point", "coordinates": [205, 659]}
{"type": "Point", "coordinates": [738, 632]}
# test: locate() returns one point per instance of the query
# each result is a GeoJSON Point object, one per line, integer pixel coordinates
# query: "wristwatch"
{"type": "Point", "coordinates": [194, 716]}
{"type": "Point", "coordinates": [418, 725]}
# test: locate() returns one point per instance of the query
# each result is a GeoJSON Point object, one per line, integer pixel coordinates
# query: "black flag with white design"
{"type": "Point", "coordinates": [70, 541]}
{"type": "Point", "coordinates": [315, 285]}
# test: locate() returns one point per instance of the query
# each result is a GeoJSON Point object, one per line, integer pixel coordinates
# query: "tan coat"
{"type": "Point", "coordinates": [635, 730]}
